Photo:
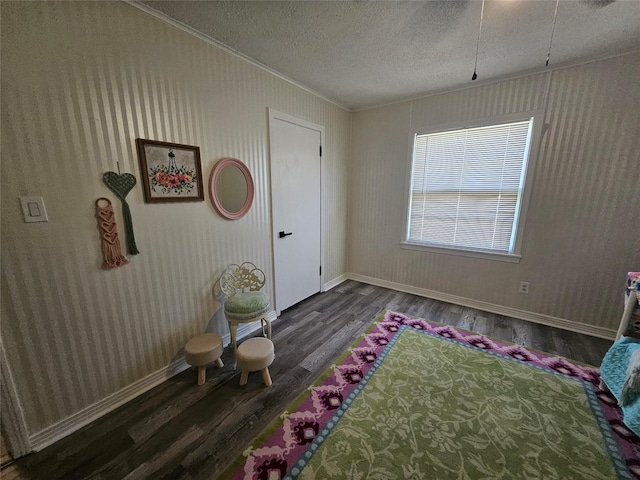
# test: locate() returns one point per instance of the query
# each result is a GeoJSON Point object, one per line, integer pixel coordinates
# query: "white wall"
{"type": "Point", "coordinates": [80, 82]}
{"type": "Point", "coordinates": [582, 228]}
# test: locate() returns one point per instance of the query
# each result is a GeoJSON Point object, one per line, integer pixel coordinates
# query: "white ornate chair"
{"type": "Point", "coordinates": [245, 302]}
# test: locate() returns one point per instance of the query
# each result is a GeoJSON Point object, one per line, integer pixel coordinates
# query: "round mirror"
{"type": "Point", "coordinates": [231, 188]}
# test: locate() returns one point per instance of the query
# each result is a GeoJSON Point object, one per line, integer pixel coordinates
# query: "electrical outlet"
{"type": "Point", "coordinates": [524, 287]}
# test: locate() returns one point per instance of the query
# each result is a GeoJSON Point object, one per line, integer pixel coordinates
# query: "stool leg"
{"type": "Point", "coordinates": [243, 377]}
{"type": "Point", "coordinates": [219, 363]}
{"type": "Point", "coordinates": [202, 375]}
{"type": "Point", "coordinates": [266, 377]}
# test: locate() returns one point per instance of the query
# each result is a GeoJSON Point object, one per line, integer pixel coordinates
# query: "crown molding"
{"type": "Point", "coordinates": [227, 49]}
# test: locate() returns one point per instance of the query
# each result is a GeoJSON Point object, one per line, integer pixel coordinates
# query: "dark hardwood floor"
{"type": "Point", "coordinates": [179, 430]}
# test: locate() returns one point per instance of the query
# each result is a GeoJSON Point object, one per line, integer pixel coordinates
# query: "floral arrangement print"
{"type": "Point", "coordinates": [382, 413]}
{"type": "Point", "coordinates": [169, 180]}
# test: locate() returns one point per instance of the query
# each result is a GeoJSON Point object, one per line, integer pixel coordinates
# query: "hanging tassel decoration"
{"type": "Point", "coordinates": [121, 185]}
{"type": "Point", "coordinates": [111, 253]}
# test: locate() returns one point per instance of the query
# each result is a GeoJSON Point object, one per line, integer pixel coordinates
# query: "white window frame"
{"type": "Point", "coordinates": [520, 218]}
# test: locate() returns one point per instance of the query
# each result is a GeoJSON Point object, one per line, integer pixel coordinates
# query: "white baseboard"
{"type": "Point", "coordinates": [51, 434]}
{"type": "Point", "coordinates": [61, 429]}
{"type": "Point", "coordinates": [55, 432]}
{"type": "Point", "coordinates": [540, 318]}
{"type": "Point", "coordinates": [335, 282]}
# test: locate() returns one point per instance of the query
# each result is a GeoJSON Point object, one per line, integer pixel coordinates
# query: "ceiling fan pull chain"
{"type": "Point", "coordinates": [475, 65]}
{"type": "Point", "coordinates": [553, 29]}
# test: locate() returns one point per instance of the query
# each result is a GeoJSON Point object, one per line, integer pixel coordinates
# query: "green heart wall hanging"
{"type": "Point", "coordinates": [121, 185]}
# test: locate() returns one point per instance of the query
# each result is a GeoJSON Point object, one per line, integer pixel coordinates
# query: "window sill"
{"type": "Point", "coordinates": [501, 257]}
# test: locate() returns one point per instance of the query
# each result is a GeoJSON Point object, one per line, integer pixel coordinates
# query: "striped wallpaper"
{"type": "Point", "coordinates": [582, 227]}
{"type": "Point", "coordinates": [80, 82]}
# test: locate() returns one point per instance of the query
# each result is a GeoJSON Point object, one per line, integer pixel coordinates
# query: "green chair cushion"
{"type": "Point", "coordinates": [244, 304]}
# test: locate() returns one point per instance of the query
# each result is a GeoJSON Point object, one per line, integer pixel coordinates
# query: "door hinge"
{"type": "Point", "coordinates": [320, 150]}
{"type": "Point", "coordinates": [320, 269]}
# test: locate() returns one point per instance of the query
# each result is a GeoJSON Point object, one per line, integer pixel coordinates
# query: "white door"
{"type": "Point", "coordinates": [295, 203]}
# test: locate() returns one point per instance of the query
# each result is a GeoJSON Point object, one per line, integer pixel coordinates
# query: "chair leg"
{"type": "Point", "coordinates": [219, 363]}
{"type": "Point", "coordinates": [244, 377]}
{"type": "Point", "coordinates": [265, 321]}
{"type": "Point", "coordinates": [233, 330]}
{"type": "Point", "coordinates": [202, 375]}
{"type": "Point", "coordinates": [266, 377]}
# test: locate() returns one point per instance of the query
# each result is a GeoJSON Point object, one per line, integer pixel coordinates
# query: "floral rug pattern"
{"type": "Point", "coordinates": [416, 412]}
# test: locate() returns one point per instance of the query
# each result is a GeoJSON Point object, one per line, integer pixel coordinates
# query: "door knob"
{"type": "Point", "coordinates": [282, 234]}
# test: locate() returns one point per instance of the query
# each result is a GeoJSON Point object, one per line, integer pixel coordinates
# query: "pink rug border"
{"type": "Point", "coordinates": [299, 427]}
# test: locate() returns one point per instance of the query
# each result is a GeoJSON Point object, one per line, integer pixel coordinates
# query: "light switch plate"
{"type": "Point", "coordinates": [33, 209]}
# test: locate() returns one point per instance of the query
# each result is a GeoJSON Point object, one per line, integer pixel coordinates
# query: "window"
{"type": "Point", "coordinates": [467, 187]}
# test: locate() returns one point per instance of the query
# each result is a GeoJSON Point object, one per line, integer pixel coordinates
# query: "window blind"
{"type": "Point", "coordinates": [466, 186]}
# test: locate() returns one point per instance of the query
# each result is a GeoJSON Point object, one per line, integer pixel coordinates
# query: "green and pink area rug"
{"type": "Point", "coordinates": [415, 399]}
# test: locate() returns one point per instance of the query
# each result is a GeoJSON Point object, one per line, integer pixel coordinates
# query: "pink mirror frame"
{"type": "Point", "coordinates": [215, 173]}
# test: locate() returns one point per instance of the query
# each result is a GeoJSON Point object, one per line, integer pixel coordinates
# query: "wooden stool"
{"type": "Point", "coordinates": [202, 350]}
{"type": "Point", "coordinates": [255, 354]}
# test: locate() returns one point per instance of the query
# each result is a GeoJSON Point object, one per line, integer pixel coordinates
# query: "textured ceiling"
{"type": "Point", "coordinates": [366, 53]}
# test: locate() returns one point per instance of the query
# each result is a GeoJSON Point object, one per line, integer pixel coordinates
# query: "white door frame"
{"type": "Point", "coordinates": [14, 425]}
{"type": "Point", "coordinates": [276, 115]}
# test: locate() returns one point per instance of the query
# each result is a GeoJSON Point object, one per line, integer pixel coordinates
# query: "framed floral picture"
{"type": "Point", "coordinates": [170, 172]}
